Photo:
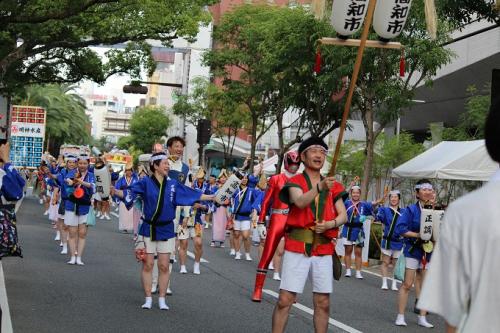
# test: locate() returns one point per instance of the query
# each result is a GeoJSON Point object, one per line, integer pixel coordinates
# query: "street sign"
{"type": "Point", "coordinates": [27, 135]}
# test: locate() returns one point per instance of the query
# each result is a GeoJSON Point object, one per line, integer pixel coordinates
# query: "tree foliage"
{"type": "Point", "coordinates": [465, 11]}
{"type": "Point", "coordinates": [265, 57]}
{"type": "Point", "coordinates": [45, 41]}
{"type": "Point", "coordinates": [381, 94]}
{"type": "Point", "coordinates": [471, 123]}
{"type": "Point", "coordinates": [207, 101]}
{"type": "Point", "coordinates": [147, 126]}
{"type": "Point", "coordinates": [66, 119]}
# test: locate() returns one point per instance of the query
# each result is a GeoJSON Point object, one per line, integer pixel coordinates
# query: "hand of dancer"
{"type": "Point", "coordinates": [262, 231]}
{"type": "Point", "coordinates": [327, 183]}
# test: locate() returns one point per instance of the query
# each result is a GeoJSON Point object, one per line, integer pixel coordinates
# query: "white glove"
{"type": "Point", "coordinates": [261, 229]}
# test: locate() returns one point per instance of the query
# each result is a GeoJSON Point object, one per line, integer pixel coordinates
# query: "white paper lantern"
{"type": "Point", "coordinates": [348, 16]}
{"type": "Point", "coordinates": [390, 17]}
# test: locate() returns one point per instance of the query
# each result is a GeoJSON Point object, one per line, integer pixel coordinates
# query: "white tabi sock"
{"type": "Point", "coordinates": [422, 321]}
{"type": "Point", "coordinates": [162, 304]}
{"type": "Point", "coordinates": [79, 261]}
{"type": "Point", "coordinates": [148, 303]}
{"type": "Point", "coordinates": [394, 285]}
{"type": "Point", "coordinates": [384, 283]}
{"type": "Point", "coordinates": [348, 272]}
{"type": "Point", "coordinates": [72, 261]}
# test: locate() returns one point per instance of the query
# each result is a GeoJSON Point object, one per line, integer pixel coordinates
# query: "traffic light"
{"type": "Point", "coordinates": [135, 89]}
{"type": "Point", "coordinates": [204, 131]}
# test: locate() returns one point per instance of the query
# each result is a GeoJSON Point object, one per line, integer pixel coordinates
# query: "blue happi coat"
{"type": "Point", "coordinates": [356, 215]}
{"type": "Point", "coordinates": [410, 221]}
{"type": "Point", "coordinates": [78, 206]}
{"type": "Point", "coordinates": [12, 183]}
{"type": "Point", "coordinates": [389, 218]}
{"type": "Point", "coordinates": [175, 194]}
{"type": "Point", "coordinates": [246, 199]}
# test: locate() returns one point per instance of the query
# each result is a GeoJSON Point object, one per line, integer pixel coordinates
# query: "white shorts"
{"type": "Point", "coordinates": [73, 220]}
{"type": "Point", "coordinates": [296, 267]}
{"type": "Point", "coordinates": [391, 253]}
{"type": "Point", "coordinates": [97, 196]}
{"type": "Point", "coordinates": [163, 247]}
{"type": "Point", "coordinates": [348, 242]}
{"type": "Point", "coordinates": [242, 225]}
{"type": "Point", "coordinates": [412, 263]}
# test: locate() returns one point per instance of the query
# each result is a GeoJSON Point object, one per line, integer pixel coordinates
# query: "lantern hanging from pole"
{"type": "Point", "coordinates": [348, 16]}
{"type": "Point", "coordinates": [390, 17]}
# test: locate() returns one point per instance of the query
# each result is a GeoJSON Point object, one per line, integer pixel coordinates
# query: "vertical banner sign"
{"type": "Point", "coordinates": [27, 132]}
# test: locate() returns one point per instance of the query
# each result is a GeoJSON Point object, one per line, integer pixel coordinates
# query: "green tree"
{"type": "Point", "coordinates": [265, 57]}
{"type": "Point", "coordinates": [466, 11]}
{"type": "Point", "coordinates": [43, 41]}
{"type": "Point", "coordinates": [147, 126]}
{"type": "Point", "coordinates": [207, 101]}
{"type": "Point", "coordinates": [471, 123]}
{"type": "Point", "coordinates": [66, 119]}
{"type": "Point", "coordinates": [381, 95]}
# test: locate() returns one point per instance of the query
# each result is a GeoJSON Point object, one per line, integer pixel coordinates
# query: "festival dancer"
{"type": "Point", "coordinates": [391, 243]}
{"type": "Point", "coordinates": [243, 204]}
{"type": "Point", "coordinates": [126, 217]}
{"type": "Point", "coordinates": [160, 196]}
{"type": "Point", "coordinates": [353, 233]}
{"type": "Point", "coordinates": [62, 195]}
{"type": "Point", "coordinates": [192, 227]}
{"type": "Point", "coordinates": [279, 211]}
{"type": "Point", "coordinates": [77, 206]}
{"type": "Point", "coordinates": [316, 211]}
{"type": "Point", "coordinates": [219, 219]}
{"type": "Point", "coordinates": [417, 259]}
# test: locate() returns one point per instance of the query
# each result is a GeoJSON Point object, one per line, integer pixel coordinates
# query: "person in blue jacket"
{"type": "Point", "coordinates": [417, 259]}
{"type": "Point", "coordinates": [79, 185]}
{"type": "Point", "coordinates": [160, 196]}
{"type": "Point", "coordinates": [392, 243]}
{"type": "Point", "coordinates": [11, 190]}
{"type": "Point", "coordinates": [352, 232]}
{"type": "Point", "coordinates": [243, 204]}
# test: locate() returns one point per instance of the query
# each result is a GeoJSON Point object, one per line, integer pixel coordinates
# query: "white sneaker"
{"type": "Point", "coordinates": [183, 269]}
{"type": "Point", "coordinates": [384, 286]}
{"type": "Point", "coordinates": [162, 304]}
{"type": "Point", "coordinates": [358, 275]}
{"type": "Point", "coordinates": [46, 212]}
{"type": "Point", "coordinates": [271, 266]}
{"type": "Point", "coordinates": [196, 268]}
{"type": "Point", "coordinates": [206, 226]}
{"type": "Point", "coordinates": [400, 320]}
{"type": "Point", "coordinates": [79, 261]}
{"type": "Point", "coordinates": [247, 257]}
{"type": "Point", "coordinates": [237, 256]}
{"type": "Point", "coordinates": [422, 321]}
{"type": "Point", "coordinates": [72, 261]}
{"type": "Point", "coordinates": [65, 249]}
{"type": "Point", "coordinates": [98, 215]}
{"type": "Point", "coordinates": [148, 304]}
{"type": "Point", "coordinates": [276, 276]}
{"type": "Point", "coordinates": [58, 236]}
{"type": "Point", "coordinates": [61, 244]}
{"type": "Point", "coordinates": [169, 291]}
{"type": "Point", "coordinates": [347, 273]}
{"type": "Point", "coordinates": [107, 217]}
{"type": "Point", "coordinates": [232, 252]}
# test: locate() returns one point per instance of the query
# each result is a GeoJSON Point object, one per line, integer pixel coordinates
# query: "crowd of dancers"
{"type": "Point", "coordinates": [293, 217]}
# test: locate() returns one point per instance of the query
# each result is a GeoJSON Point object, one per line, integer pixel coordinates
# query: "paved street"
{"type": "Point", "coordinates": [47, 295]}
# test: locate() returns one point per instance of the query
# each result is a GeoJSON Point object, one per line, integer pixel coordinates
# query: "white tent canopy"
{"type": "Point", "coordinates": [459, 160]}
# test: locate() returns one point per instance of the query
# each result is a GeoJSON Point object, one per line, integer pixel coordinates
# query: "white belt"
{"type": "Point", "coordinates": [280, 211]}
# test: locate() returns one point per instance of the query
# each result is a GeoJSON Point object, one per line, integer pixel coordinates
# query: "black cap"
{"type": "Point", "coordinates": [312, 141]}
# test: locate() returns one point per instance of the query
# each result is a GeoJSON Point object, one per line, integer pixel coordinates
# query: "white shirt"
{"type": "Point", "coordinates": [462, 284]}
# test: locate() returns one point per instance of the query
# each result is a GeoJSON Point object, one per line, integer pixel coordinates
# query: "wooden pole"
{"type": "Point", "coordinates": [352, 86]}
{"type": "Point", "coordinates": [357, 42]}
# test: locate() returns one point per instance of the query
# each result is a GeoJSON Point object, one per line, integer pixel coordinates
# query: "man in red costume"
{"type": "Point", "coordinates": [316, 211]}
{"type": "Point", "coordinates": [277, 221]}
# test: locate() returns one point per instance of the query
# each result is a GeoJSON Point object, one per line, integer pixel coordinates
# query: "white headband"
{"type": "Point", "coordinates": [395, 192]}
{"type": "Point", "coordinates": [355, 187]}
{"type": "Point", "coordinates": [84, 157]}
{"type": "Point", "coordinates": [424, 186]}
{"type": "Point", "coordinates": [71, 159]}
{"type": "Point", "coordinates": [316, 147]}
{"type": "Point", "coordinates": [158, 157]}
